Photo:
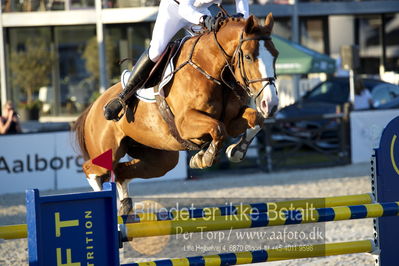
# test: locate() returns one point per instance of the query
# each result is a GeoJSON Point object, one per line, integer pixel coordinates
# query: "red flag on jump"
{"type": "Point", "coordinates": [104, 160]}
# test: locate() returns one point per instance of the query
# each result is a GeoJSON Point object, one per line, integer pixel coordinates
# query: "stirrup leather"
{"type": "Point", "coordinates": [124, 108]}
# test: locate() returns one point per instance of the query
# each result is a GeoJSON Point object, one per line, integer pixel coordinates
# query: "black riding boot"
{"type": "Point", "coordinates": [137, 78]}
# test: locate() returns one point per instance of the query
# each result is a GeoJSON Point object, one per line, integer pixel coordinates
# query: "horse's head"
{"type": "Point", "coordinates": [254, 64]}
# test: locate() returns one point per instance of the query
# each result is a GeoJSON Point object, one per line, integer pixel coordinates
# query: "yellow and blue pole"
{"type": "Point", "coordinates": [289, 253]}
{"type": "Point", "coordinates": [20, 230]}
{"type": "Point", "coordinates": [271, 218]}
{"type": "Point", "coordinates": [247, 208]}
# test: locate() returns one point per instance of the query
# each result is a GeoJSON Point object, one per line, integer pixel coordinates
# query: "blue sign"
{"type": "Point", "coordinates": [73, 229]}
{"type": "Point", "coordinates": [387, 186]}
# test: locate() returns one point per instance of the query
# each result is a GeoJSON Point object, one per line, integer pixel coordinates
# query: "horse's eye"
{"type": "Point", "coordinates": [248, 57]}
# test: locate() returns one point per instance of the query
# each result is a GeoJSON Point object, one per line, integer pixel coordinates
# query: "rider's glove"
{"type": "Point", "coordinates": [208, 22]}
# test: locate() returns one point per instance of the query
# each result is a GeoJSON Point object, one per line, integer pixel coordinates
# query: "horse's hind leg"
{"type": "Point", "coordinates": [122, 185]}
{"type": "Point", "coordinates": [148, 163]}
{"type": "Point", "coordinates": [96, 175]}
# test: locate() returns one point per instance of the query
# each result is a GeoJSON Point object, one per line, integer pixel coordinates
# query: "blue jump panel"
{"type": "Point", "coordinates": [387, 160]}
{"type": "Point", "coordinates": [73, 229]}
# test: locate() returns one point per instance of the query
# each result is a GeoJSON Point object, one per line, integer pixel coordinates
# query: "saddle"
{"type": "Point", "coordinates": [158, 77]}
{"type": "Point", "coordinates": [156, 74]}
{"type": "Point", "coordinates": [152, 90]}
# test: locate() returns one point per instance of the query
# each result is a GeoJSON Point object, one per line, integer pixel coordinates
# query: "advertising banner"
{"type": "Point", "coordinates": [50, 161]}
{"type": "Point", "coordinates": [366, 129]}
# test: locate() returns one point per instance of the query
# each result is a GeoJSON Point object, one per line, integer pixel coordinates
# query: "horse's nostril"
{"type": "Point", "coordinates": [264, 105]}
{"type": "Point", "coordinates": [274, 109]}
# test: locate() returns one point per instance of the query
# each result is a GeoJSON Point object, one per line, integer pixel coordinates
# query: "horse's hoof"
{"type": "Point", "coordinates": [233, 154]}
{"type": "Point", "coordinates": [204, 158]}
{"type": "Point", "coordinates": [196, 161]}
{"type": "Point", "coordinates": [126, 206]}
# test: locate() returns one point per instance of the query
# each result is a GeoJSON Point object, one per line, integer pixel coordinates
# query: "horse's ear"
{"type": "Point", "coordinates": [269, 21]}
{"type": "Point", "coordinates": [251, 24]}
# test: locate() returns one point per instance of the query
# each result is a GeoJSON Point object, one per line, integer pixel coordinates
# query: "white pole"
{"type": "Point", "coordinates": [3, 84]}
{"type": "Point", "coordinates": [101, 47]}
{"type": "Point", "coordinates": [352, 86]}
{"type": "Point", "coordinates": [295, 37]}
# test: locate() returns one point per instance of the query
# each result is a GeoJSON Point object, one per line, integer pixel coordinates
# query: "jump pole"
{"type": "Point", "coordinates": [13, 231]}
{"type": "Point", "coordinates": [21, 230]}
{"type": "Point", "coordinates": [188, 213]}
{"type": "Point", "coordinates": [265, 255]}
{"type": "Point", "coordinates": [272, 218]}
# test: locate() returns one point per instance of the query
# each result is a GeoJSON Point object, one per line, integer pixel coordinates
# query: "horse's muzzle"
{"type": "Point", "coordinates": [267, 108]}
{"type": "Point", "coordinates": [273, 111]}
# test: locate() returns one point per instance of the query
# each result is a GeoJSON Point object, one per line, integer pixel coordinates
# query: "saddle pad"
{"type": "Point", "coordinates": [144, 94]}
{"type": "Point", "coordinates": [148, 94]}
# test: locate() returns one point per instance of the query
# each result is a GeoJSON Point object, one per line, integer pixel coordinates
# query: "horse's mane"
{"type": "Point", "coordinates": [223, 22]}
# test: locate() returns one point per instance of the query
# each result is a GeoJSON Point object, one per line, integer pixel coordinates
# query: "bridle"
{"type": "Point", "coordinates": [229, 59]}
{"type": "Point", "coordinates": [240, 64]}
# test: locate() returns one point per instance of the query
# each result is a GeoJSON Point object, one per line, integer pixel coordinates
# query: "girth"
{"type": "Point", "coordinates": [169, 118]}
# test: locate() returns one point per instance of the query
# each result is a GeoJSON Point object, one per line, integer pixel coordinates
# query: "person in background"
{"type": "Point", "coordinates": [9, 121]}
{"type": "Point", "coordinates": [363, 99]}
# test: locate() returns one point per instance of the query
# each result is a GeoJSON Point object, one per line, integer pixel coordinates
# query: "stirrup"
{"type": "Point", "coordinates": [123, 111]}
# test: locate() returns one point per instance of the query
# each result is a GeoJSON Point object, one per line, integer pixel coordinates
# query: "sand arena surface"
{"type": "Point", "coordinates": [336, 181]}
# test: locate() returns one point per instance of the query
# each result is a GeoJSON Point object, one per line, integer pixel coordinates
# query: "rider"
{"type": "Point", "coordinates": [173, 15]}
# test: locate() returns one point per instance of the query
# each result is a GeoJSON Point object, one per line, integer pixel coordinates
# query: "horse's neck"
{"type": "Point", "coordinates": [229, 35]}
{"type": "Point", "coordinates": [207, 49]}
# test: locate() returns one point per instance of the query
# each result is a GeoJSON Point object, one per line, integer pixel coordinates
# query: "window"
{"type": "Point", "coordinates": [384, 94]}
{"type": "Point", "coordinates": [392, 42]}
{"type": "Point", "coordinates": [77, 84]}
{"type": "Point", "coordinates": [129, 42]}
{"type": "Point", "coordinates": [44, 5]}
{"type": "Point", "coordinates": [282, 27]}
{"type": "Point", "coordinates": [23, 67]}
{"type": "Point", "coordinates": [370, 46]}
{"type": "Point", "coordinates": [332, 91]}
{"type": "Point", "coordinates": [130, 3]}
{"type": "Point", "coordinates": [314, 34]}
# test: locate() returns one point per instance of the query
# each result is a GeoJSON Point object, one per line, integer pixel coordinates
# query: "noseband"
{"type": "Point", "coordinates": [240, 58]}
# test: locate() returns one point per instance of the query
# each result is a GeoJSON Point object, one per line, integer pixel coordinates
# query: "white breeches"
{"type": "Point", "coordinates": [168, 23]}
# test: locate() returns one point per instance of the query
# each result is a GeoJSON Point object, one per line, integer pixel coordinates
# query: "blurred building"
{"type": "Point", "coordinates": [70, 27]}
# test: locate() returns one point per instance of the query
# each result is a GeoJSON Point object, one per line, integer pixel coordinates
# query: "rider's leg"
{"type": "Point", "coordinates": [167, 24]}
{"type": "Point", "coordinates": [136, 79]}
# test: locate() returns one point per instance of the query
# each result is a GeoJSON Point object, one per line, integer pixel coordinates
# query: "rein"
{"type": "Point", "coordinates": [197, 67]}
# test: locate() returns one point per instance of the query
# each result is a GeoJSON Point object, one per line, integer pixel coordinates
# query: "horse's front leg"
{"type": "Point", "coordinates": [196, 125]}
{"type": "Point", "coordinates": [250, 121]}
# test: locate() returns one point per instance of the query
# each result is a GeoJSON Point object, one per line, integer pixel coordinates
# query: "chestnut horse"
{"type": "Point", "coordinates": [206, 108]}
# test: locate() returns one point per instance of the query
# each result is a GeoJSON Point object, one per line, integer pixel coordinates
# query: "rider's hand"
{"type": "Point", "coordinates": [238, 15]}
{"type": "Point", "coordinates": [208, 22]}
